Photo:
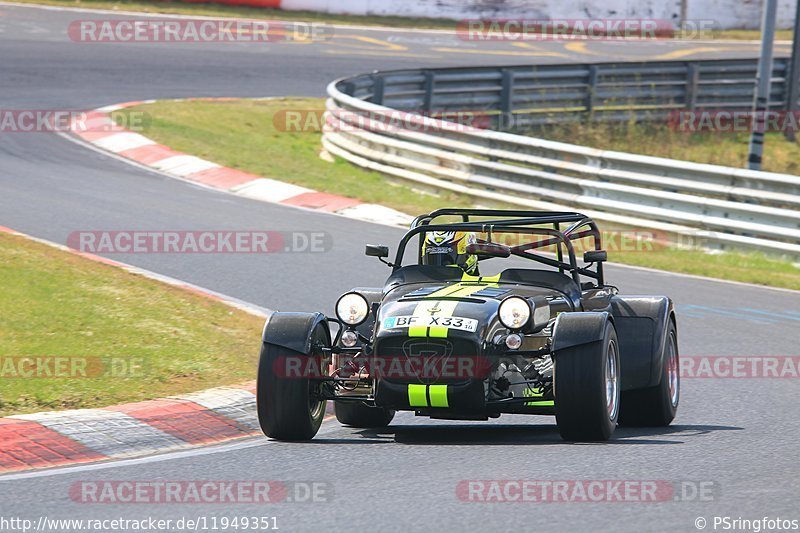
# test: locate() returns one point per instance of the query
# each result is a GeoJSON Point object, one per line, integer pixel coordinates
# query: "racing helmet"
{"type": "Point", "coordinates": [449, 248]}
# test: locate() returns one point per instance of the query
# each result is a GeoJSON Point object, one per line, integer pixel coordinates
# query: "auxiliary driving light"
{"type": "Point", "coordinates": [349, 338]}
{"type": "Point", "coordinates": [514, 341]}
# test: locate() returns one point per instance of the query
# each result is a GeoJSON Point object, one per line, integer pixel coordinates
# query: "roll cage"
{"type": "Point", "coordinates": [536, 223]}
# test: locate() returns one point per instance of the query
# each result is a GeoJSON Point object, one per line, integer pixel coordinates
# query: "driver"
{"type": "Point", "coordinates": [449, 248]}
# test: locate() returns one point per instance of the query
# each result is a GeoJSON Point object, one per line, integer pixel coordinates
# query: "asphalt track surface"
{"type": "Point", "coordinates": [741, 435]}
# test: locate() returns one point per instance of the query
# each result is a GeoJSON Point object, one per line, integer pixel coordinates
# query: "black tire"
{"type": "Point", "coordinates": [358, 415]}
{"type": "Point", "coordinates": [583, 410]}
{"type": "Point", "coordinates": [286, 410]}
{"type": "Point", "coordinates": [656, 406]}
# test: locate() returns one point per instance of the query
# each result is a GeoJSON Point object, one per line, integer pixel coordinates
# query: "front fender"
{"type": "Point", "coordinates": [575, 329]}
{"type": "Point", "coordinates": [293, 330]}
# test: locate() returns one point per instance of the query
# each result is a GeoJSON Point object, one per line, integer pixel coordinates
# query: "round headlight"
{"type": "Point", "coordinates": [352, 309]}
{"type": "Point", "coordinates": [515, 312]}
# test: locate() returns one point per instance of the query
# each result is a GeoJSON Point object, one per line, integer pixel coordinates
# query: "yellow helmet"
{"type": "Point", "coordinates": [449, 248]}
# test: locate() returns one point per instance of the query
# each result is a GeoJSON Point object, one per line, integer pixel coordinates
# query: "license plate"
{"type": "Point", "coordinates": [453, 322]}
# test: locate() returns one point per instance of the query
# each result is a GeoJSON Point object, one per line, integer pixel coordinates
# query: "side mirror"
{"type": "Point", "coordinates": [381, 252]}
{"type": "Point", "coordinates": [489, 249]}
{"type": "Point", "coordinates": [595, 256]}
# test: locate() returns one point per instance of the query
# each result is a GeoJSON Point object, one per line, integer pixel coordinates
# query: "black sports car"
{"type": "Point", "coordinates": [449, 343]}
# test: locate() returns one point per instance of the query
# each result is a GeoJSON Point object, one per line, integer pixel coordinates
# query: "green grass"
{"type": "Point", "coordinates": [728, 149]}
{"type": "Point", "coordinates": [221, 10]}
{"type": "Point", "coordinates": [242, 134]}
{"type": "Point", "coordinates": [755, 268]}
{"type": "Point", "coordinates": [57, 304]}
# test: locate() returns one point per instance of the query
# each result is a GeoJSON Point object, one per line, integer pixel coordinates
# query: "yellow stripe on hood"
{"type": "Point", "coordinates": [468, 286]}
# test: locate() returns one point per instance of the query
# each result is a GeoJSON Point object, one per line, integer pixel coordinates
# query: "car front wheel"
{"type": "Point", "coordinates": [287, 407]}
{"type": "Point", "coordinates": [587, 389]}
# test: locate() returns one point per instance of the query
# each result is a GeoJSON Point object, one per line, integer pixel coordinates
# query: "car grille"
{"type": "Point", "coordinates": [428, 360]}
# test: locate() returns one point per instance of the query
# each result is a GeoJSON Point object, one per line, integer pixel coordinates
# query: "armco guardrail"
{"type": "Point", "coordinates": [718, 207]}
{"type": "Point", "coordinates": [525, 95]}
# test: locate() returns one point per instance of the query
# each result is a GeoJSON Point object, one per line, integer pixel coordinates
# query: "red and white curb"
{"type": "Point", "coordinates": [99, 130]}
{"type": "Point", "coordinates": [87, 435]}
{"type": "Point", "coordinates": [60, 438]}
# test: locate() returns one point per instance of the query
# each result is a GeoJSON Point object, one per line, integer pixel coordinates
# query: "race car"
{"type": "Point", "coordinates": [444, 339]}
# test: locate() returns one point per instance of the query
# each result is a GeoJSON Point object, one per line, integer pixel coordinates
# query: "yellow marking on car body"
{"type": "Point", "coordinates": [418, 331]}
{"type": "Point", "coordinates": [530, 393]}
{"type": "Point", "coordinates": [417, 396]}
{"type": "Point", "coordinates": [443, 308]}
{"type": "Point", "coordinates": [438, 394]}
{"type": "Point", "coordinates": [438, 332]}
{"type": "Point", "coordinates": [490, 280]}
{"type": "Point", "coordinates": [542, 403]}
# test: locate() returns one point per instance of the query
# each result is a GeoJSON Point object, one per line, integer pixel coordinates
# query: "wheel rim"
{"type": "Point", "coordinates": [612, 381]}
{"type": "Point", "coordinates": [315, 407]}
{"type": "Point", "coordinates": [672, 371]}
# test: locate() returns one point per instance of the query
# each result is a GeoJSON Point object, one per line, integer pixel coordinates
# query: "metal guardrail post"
{"type": "Point", "coordinates": [763, 84]}
{"type": "Point", "coordinates": [591, 90]}
{"type": "Point", "coordinates": [793, 77]}
{"type": "Point", "coordinates": [378, 91]}
{"type": "Point", "coordinates": [506, 101]}
{"type": "Point", "coordinates": [692, 83]}
{"type": "Point", "coordinates": [430, 87]}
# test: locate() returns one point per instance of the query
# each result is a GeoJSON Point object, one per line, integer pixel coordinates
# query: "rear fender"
{"type": "Point", "coordinates": [293, 330]}
{"type": "Point", "coordinates": [642, 323]}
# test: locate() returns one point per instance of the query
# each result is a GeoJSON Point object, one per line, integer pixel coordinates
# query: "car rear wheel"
{"type": "Point", "coordinates": [287, 409]}
{"type": "Point", "coordinates": [587, 389]}
{"type": "Point", "coordinates": [656, 406]}
{"type": "Point", "coordinates": [358, 415]}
